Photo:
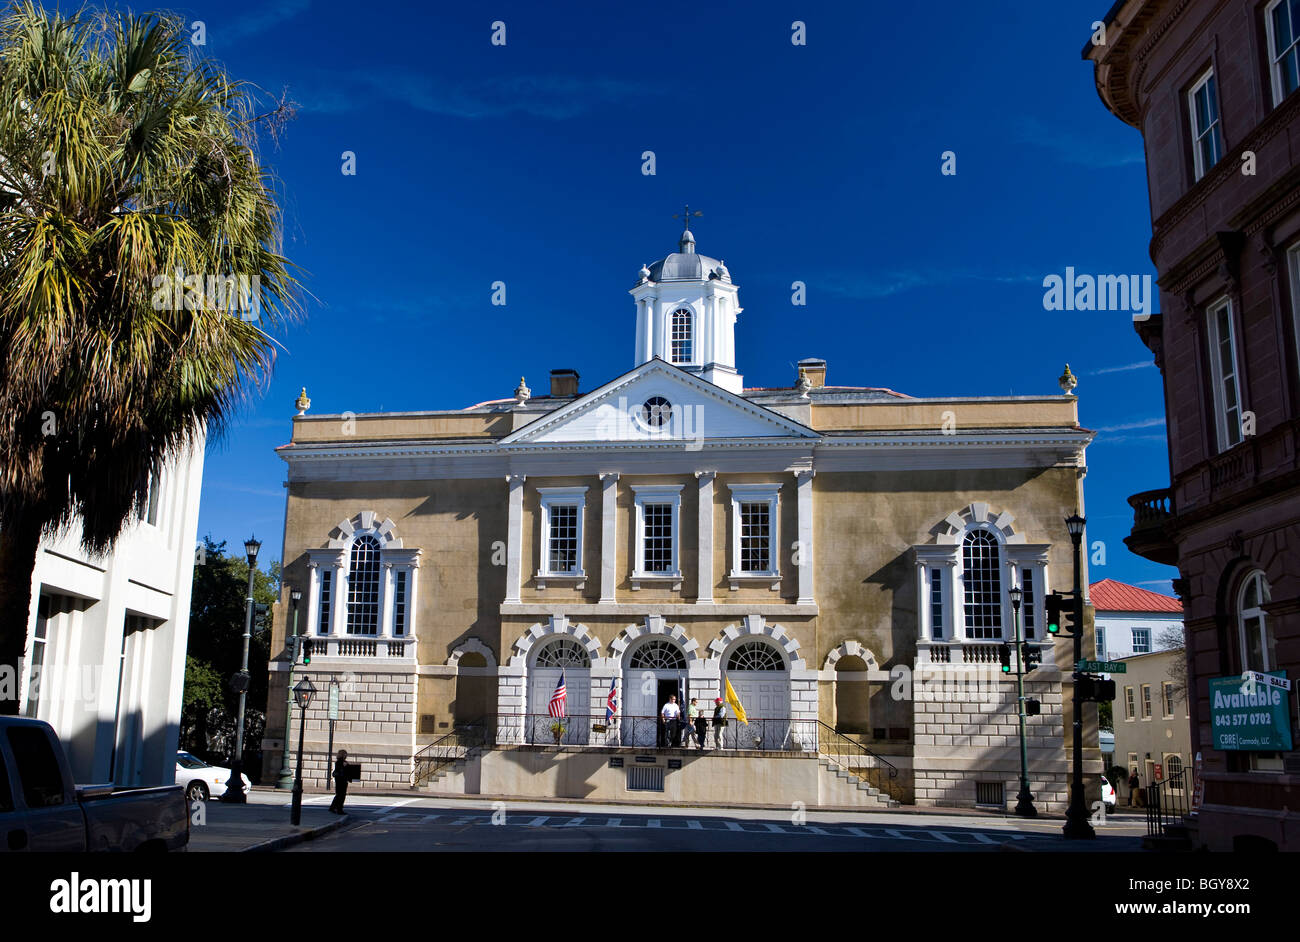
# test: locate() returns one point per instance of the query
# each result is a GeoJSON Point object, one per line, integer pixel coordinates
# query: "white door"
{"type": "Point", "coordinates": [541, 687]}
{"type": "Point", "coordinates": [765, 695]}
{"type": "Point", "coordinates": [641, 704]}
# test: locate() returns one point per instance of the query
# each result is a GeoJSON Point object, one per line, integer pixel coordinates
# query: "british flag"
{"type": "Point", "coordinates": [558, 699]}
{"type": "Point", "coordinates": [611, 703]}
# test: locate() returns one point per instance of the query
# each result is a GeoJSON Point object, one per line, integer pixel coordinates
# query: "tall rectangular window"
{"type": "Point", "coordinates": [936, 604]}
{"type": "Point", "coordinates": [323, 627]}
{"type": "Point", "coordinates": [1207, 130]}
{"type": "Point", "coordinates": [756, 537]}
{"type": "Point", "coordinates": [40, 641]}
{"type": "Point", "coordinates": [681, 339]}
{"type": "Point", "coordinates": [1293, 267]}
{"type": "Point", "coordinates": [1223, 369]}
{"type": "Point", "coordinates": [1168, 690]}
{"type": "Point", "coordinates": [658, 537]}
{"type": "Point", "coordinates": [1129, 709]}
{"type": "Point", "coordinates": [1141, 640]}
{"type": "Point", "coordinates": [1027, 584]}
{"type": "Point", "coordinates": [562, 553]}
{"type": "Point", "coordinates": [1101, 643]}
{"type": "Point", "coordinates": [1282, 17]}
{"type": "Point", "coordinates": [399, 603]}
{"type": "Point", "coordinates": [1146, 701]}
{"type": "Point", "coordinates": [982, 576]}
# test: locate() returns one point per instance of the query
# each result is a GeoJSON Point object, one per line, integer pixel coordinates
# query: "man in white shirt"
{"type": "Point", "coordinates": [670, 715]}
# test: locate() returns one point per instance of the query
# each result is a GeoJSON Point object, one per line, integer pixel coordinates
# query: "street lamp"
{"type": "Point", "coordinates": [302, 695]}
{"type": "Point", "coordinates": [1076, 817]}
{"type": "Point", "coordinates": [1024, 800]}
{"type": "Point", "coordinates": [286, 777]}
{"type": "Point", "coordinates": [235, 787]}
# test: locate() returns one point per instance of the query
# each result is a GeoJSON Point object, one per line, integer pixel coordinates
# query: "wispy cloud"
{"type": "Point", "coordinates": [255, 491]}
{"type": "Point", "coordinates": [869, 286]}
{"type": "Point", "coordinates": [1073, 148]}
{"type": "Point", "coordinates": [262, 19]}
{"type": "Point", "coordinates": [1127, 426]}
{"type": "Point", "coordinates": [1140, 365]}
{"type": "Point", "coordinates": [555, 97]}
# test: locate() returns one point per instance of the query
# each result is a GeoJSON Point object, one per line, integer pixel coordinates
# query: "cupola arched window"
{"type": "Point", "coordinates": [363, 587]}
{"type": "Point", "coordinates": [982, 576]}
{"type": "Point", "coordinates": [682, 337]}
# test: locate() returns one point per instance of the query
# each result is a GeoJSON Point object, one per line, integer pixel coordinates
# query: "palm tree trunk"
{"type": "Point", "coordinates": [20, 540]}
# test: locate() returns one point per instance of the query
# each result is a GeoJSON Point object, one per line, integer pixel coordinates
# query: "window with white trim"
{"type": "Point", "coordinates": [1101, 643]}
{"type": "Point", "coordinates": [657, 511]}
{"type": "Point", "coordinates": [399, 603]}
{"type": "Point", "coordinates": [149, 509]}
{"type": "Point", "coordinates": [326, 577]}
{"type": "Point", "coordinates": [1257, 646]}
{"type": "Point", "coordinates": [1027, 611]}
{"type": "Point", "coordinates": [1141, 640]}
{"type": "Point", "coordinates": [363, 587]}
{"type": "Point", "coordinates": [753, 525]}
{"type": "Point", "coordinates": [682, 336]}
{"type": "Point", "coordinates": [982, 582]}
{"type": "Point", "coordinates": [1130, 710]}
{"type": "Point", "coordinates": [1167, 695]}
{"type": "Point", "coordinates": [936, 603]}
{"type": "Point", "coordinates": [562, 521]}
{"type": "Point", "coordinates": [1207, 129]}
{"type": "Point", "coordinates": [1146, 701]}
{"type": "Point", "coordinates": [1281, 18]}
{"type": "Point", "coordinates": [1224, 375]}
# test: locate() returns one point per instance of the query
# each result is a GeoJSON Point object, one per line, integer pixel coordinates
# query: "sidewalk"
{"type": "Point", "coordinates": [259, 827]}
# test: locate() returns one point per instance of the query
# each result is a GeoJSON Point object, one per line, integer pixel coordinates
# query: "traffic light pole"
{"type": "Point", "coordinates": [1024, 800]}
{"type": "Point", "coordinates": [1077, 826]}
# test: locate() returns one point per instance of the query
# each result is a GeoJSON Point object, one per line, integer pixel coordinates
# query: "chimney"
{"type": "Point", "coordinates": [815, 370]}
{"type": "Point", "coordinates": [564, 384]}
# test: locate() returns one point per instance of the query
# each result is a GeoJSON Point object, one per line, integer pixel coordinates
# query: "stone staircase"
{"type": "Point", "coordinates": [450, 777]}
{"type": "Point", "coordinates": [851, 786]}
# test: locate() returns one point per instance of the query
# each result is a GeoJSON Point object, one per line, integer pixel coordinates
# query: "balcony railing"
{"type": "Point", "coordinates": [1152, 510]}
{"type": "Point", "coordinates": [649, 732]}
{"type": "Point", "coordinates": [354, 647]}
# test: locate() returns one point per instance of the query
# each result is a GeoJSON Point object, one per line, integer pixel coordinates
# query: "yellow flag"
{"type": "Point", "coordinates": [733, 701]}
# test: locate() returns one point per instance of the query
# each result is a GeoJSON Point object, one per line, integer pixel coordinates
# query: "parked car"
{"type": "Point", "coordinates": [201, 780]}
{"type": "Point", "coordinates": [42, 810]}
{"type": "Point", "coordinates": [1107, 794]}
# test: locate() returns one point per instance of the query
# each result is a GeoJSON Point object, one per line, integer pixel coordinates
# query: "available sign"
{"type": "Point", "coordinates": [1246, 719]}
{"type": "Point", "coordinates": [1101, 667]}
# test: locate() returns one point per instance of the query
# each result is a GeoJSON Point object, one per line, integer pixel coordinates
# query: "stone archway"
{"type": "Point", "coordinates": [476, 668]}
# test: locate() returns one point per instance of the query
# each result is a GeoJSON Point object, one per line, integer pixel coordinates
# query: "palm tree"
{"type": "Point", "coordinates": [130, 188]}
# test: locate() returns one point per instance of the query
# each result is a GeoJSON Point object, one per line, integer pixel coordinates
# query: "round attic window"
{"type": "Point", "coordinates": [656, 411]}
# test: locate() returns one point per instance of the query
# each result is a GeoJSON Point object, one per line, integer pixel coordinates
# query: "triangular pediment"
{"type": "Point", "coordinates": [657, 402]}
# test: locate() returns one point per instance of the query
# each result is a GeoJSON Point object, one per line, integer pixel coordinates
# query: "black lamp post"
{"type": "Point", "coordinates": [1024, 801]}
{"type": "Point", "coordinates": [235, 787]}
{"type": "Point", "coordinates": [1076, 817]}
{"type": "Point", "coordinates": [286, 777]}
{"type": "Point", "coordinates": [302, 695]}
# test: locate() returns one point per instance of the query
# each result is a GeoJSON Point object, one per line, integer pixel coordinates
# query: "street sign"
{"type": "Point", "coordinates": [1255, 721]}
{"type": "Point", "coordinates": [334, 699]}
{"type": "Point", "coordinates": [1101, 667]}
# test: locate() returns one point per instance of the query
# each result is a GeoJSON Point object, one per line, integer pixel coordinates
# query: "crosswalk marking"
{"type": "Point", "coordinates": [734, 826]}
{"type": "Point", "coordinates": [538, 822]}
{"type": "Point", "coordinates": [939, 835]}
{"type": "Point", "coordinates": [981, 838]}
{"type": "Point", "coordinates": [574, 822]}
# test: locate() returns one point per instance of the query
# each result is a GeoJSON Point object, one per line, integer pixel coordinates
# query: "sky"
{"type": "Point", "coordinates": [522, 163]}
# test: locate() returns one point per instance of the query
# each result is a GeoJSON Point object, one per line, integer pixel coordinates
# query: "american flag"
{"type": "Point", "coordinates": [558, 699]}
{"type": "Point", "coordinates": [611, 703]}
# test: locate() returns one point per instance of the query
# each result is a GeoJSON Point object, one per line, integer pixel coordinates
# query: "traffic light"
{"type": "Point", "coordinates": [1095, 689]}
{"type": "Point", "coordinates": [1030, 655]}
{"type": "Point", "coordinates": [1032, 707]}
{"type": "Point", "coordinates": [1104, 690]}
{"type": "Point", "coordinates": [1004, 654]}
{"type": "Point", "coordinates": [306, 650]}
{"type": "Point", "coordinates": [1054, 603]}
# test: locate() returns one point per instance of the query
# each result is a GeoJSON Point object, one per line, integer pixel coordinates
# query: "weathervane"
{"type": "Point", "coordinates": [687, 214]}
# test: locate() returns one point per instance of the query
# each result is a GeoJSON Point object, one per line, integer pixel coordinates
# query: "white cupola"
{"type": "Point", "coordinates": [686, 309]}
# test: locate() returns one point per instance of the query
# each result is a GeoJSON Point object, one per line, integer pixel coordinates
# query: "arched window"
{"type": "Point", "coordinates": [982, 577]}
{"type": "Point", "coordinates": [682, 336]}
{"type": "Point", "coordinates": [1257, 652]}
{"type": "Point", "coordinates": [363, 587]}
{"type": "Point", "coordinates": [563, 652]}
{"type": "Point", "coordinates": [658, 655]}
{"type": "Point", "coordinates": [755, 656]}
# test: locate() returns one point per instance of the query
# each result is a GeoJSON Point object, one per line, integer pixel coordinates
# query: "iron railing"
{"type": "Point", "coordinates": [649, 732]}
{"type": "Point", "coordinates": [441, 753]}
{"type": "Point", "coordinates": [1168, 802]}
{"type": "Point", "coordinates": [857, 759]}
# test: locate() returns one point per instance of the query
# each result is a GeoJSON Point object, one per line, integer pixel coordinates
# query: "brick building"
{"type": "Point", "coordinates": [1211, 86]}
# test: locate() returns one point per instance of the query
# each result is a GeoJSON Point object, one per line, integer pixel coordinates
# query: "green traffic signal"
{"type": "Point", "coordinates": [1004, 654]}
{"type": "Point", "coordinates": [1054, 603]}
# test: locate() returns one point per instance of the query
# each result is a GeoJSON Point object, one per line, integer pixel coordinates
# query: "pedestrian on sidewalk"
{"type": "Point", "coordinates": [340, 782]}
{"type": "Point", "coordinates": [1134, 783]}
{"type": "Point", "coordinates": [719, 721]}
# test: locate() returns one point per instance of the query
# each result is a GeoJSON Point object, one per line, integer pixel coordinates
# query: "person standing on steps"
{"type": "Point", "coordinates": [719, 721]}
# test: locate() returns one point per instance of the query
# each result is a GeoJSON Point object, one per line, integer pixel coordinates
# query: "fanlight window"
{"type": "Point", "coordinates": [363, 587]}
{"type": "Point", "coordinates": [755, 656]}
{"type": "Point", "coordinates": [563, 652]}
{"type": "Point", "coordinates": [658, 655]}
{"type": "Point", "coordinates": [982, 575]}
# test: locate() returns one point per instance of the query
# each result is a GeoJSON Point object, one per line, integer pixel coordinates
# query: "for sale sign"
{"type": "Point", "coordinates": [1249, 716]}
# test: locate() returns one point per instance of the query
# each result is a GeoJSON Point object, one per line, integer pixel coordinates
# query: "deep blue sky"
{"type": "Point", "coordinates": [522, 163]}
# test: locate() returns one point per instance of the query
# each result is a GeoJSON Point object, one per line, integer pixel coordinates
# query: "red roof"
{"type": "Point", "coordinates": [1111, 596]}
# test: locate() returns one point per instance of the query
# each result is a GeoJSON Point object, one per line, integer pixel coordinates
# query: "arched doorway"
{"type": "Point", "coordinates": [654, 669]}
{"type": "Point", "coordinates": [558, 656]}
{"type": "Point", "coordinates": [760, 676]}
{"type": "Point", "coordinates": [852, 693]}
{"type": "Point", "coordinates": [475, 690]}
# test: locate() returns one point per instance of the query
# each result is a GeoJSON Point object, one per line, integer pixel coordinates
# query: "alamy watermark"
{"type": "Point", "coordinates": [239, 294]}
{"type": "Point", "coordinates": [1099, 293]}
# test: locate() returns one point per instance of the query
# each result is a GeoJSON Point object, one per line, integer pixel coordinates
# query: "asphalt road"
{"type": "Point", "coordinates": [433, 824]}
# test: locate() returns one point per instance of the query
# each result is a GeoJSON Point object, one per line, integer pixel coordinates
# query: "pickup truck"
{"type": "Point", "coordinates": [42, 810]}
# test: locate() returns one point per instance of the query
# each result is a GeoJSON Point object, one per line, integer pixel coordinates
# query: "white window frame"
{"type": "Point", "coordinates": [693, 323]}
{"type": "Point", "coordinates": [554, 497]}
{"type": "Point", "coordinates": [1005, 573]}
{"type": "Point", "coordinates": [1168, 701]}
{"type": "Point", "coordinates": [755, 494]}
{"type": "Point", "coordinates": [657, 494]}
{"type": "Point", "coordinates": [1266, 595]}
{"type": "Point", "coordinates": [1224, 430]}
{"type": "Point", "coordinates": [1148, 708]}
{"type": "Point", "coordinates": [1199, 134]}
{"type": "Point", "coordinates": [1274, 60]}
{"type": "Point", "coordinates": [1100, 632]}
{"type": "Point", "coordinates": [1130, 704]}
{"type": "Point", "coordinates": [1146, 647]}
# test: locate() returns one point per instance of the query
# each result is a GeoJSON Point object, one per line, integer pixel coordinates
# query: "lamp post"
{"type": "Point", "coordinates": [235, 787]}
{"type": "Point", "coordinates": [1076, 817]}
{"type": "Point", "coordinates": [1024, 801]}
{"type": "Point", "coordinates": [286, 777]}
{"type": "Point", "coordinates": [302, 695]}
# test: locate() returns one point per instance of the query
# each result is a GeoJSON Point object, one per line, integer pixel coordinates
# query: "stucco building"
{"type": "Point", "coordinates": [1133, 620]}
{"type": "Point", "coordinates": [1212, 88]}
{"type": "Point", "coordinates": [1153, 730]}
{"type": "Point", "coordinates": [841, 554]}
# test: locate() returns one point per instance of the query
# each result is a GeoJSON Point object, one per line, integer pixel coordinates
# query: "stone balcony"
{"type": "Point", "coordinates": [1153, 512]}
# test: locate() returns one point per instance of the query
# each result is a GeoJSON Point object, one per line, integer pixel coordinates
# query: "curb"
{"type": "Point", "coordinates": [307, 834]}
